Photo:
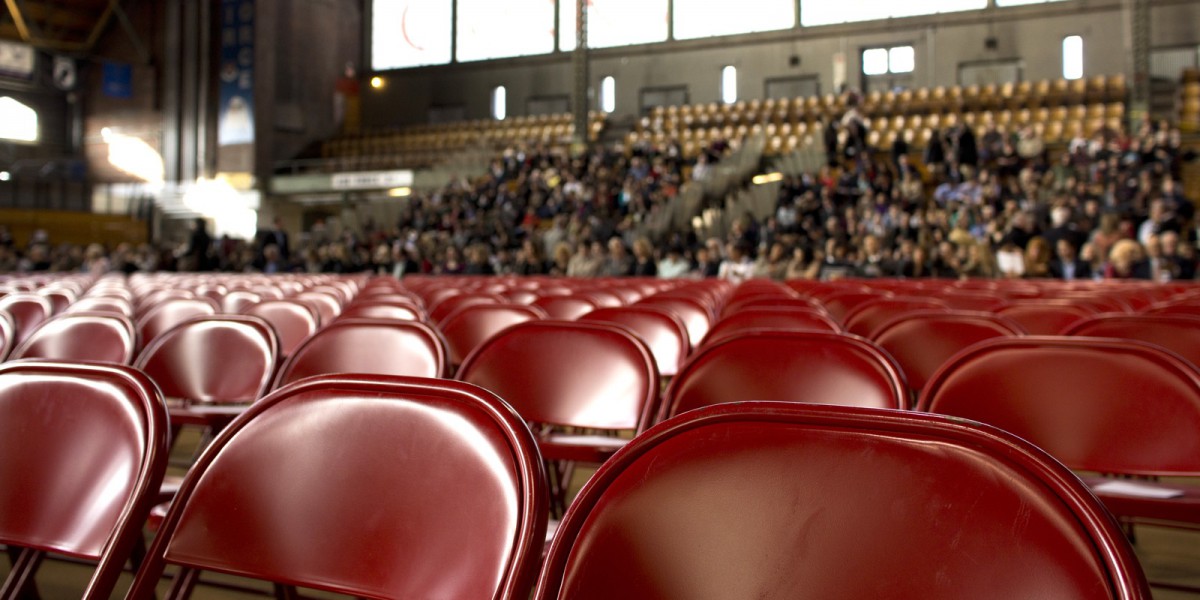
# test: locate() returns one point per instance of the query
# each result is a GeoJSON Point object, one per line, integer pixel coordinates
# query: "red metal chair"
{"type": "Point", "coordinates": [102, 304]}
{"type": "Point", "coordinates": [470, 326]}
{"type": "Point", "coordinates": [238, 301]}
{"type": "Point", "coordinates": [368, 346]}
{"type": "Point", "coordinates": [922, 341]}
{"type": "Point", "coordinates": [438, 312]}
{"type": "Point", "coordinates": [1046, 317]}
{"type": "Point", "coordinates": [170, 313]}
{"type": "Point", "coordinates": [558, 374]}
{"type": "Point", "coordinates": [776, 319]}
{"type": "Point", "coordinates": [662, 331]}
{"type": "Point", "coordinates": [28, 310]}
{"type": "Point", "coordinates": [94, 337]}
{"type": "Point", "coordinates": [379, 487]}
{"type": "Point", "coordinates": [984, 302]}
{"type": "Point", "coordinates": [382, 310]}
{"type": "Point", "coordinates": [695, 316]}
{"type": "Point", "coordinates": [1097, 404]}
{"type": "Point", "coordinates": [775, 500]}
{"type": "Point", "coordinates": [8, 335]}
{"type": "Point", "coordinates": [85, 449]}
{"type": "Point", "coordinates": [60, 298]}
{"type": "Point", "coordinates": [293, 321]}
{"type": "Point", "coordinates": [327, 306]}
{"type": "Point", "coordinates": [787, 366]}
{"type": "Point", "coordinates": [209, 368]}
{"type": "Point", "coordinates": [839, 305]}
{"type": "Point", "coordinates": [868, 316]}
{"type": "Point", "coordinates": [1178, 333]}
{"type": "Point", "coordinates": [566, 308]}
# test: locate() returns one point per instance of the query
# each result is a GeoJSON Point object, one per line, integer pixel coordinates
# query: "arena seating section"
{"type": "Point", "coordinates": [338, 426]}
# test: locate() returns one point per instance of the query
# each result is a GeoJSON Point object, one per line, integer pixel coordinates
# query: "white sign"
{"type": "Point", "coordinates": [16, 59]}
{"type": "Point", "coordinates": [65, 76]}
{"type": "Point", "coordinates": [372, 180]}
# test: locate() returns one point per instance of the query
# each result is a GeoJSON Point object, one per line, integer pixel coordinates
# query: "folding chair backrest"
{"type": "Point", "coordinates": [662, 331]}
{"type": "Point", "coordinates": [170, 313]}
{"type": "Point", "coordinates": [28, 311]}
{"type": "Point", "coordinates": [426, 488]}
{"type": "Point", "coordinates": [85, 450]}
{"type": "Point", "coordinates": [374, 346]}
{"type": "Point", "coordinates": [922, 341]}
{"type": "Point", "coordinates": [773, 500]}
{"type": "Point", "coordinates": [292, 320]}
{"type": "Point", "coordinates": [865, 318]}
{"type": "Point", "coordinates": [470, 326]}
{"type": "Point", "coordinates": [95, 337]}
{"type": "Point", "coordinates": [579, 374]}
{"type": "Point", "coordinates": [787, 366]}
{"type": "Point", "coordinates": [777, 319]}
{"type": "Point", "coordinates": [1046, 317]}
{"type": "Point", "coordinates": [1178, 333]}
{"type": "Point", "coordinates": [1097, 404]}
{"type": "Point", "coordinates": [220, 359]}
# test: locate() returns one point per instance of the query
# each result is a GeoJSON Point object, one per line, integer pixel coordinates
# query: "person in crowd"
{"type": "Point", "coordinates": [1037, 258]}
{"type": "Point", "coordinates": [643, 259]}
{"type": "Point", "coordinates": [1069, 265]}
{"type": "Point", "coordinates": [738, 267]}
{"type": "Point", "coordinates": [673, 265]}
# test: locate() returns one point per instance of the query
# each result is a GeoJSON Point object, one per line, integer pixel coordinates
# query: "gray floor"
{"type": "Point", "coordinates": [1168, 555]}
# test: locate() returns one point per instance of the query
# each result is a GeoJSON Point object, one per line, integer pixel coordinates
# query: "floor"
{"type": "Point", "coordinates": [1167, 555]}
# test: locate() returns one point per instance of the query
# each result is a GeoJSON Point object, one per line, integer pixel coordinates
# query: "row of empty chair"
{"type": "Point", "coordinates": [583, 360]}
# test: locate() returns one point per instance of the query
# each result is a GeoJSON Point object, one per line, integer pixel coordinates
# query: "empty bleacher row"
{"type": "Point", "coordinates": [381, 416]}
{"type": "Point", "coordinates": [1056, 109]}
{"type": "Point", "coordinates": [427, 145]}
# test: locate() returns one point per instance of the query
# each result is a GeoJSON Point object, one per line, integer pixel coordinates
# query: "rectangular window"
{"type": "Point", "coordinates": [409, 33]}
{"type": "Point", "coordinates": [729, 93]}
{"type": "Point", "coordinates": [614, 23]}
{"type": "Point", "coordinates": [499, 103]}
{"type": "Point", "coordinates": [1072, 57]}
{"type": "Point", "coordinates": [699, 18]}
{"type": "Point", "coordinates": [18, 122]}
{"type": "Point", "coordinates": [490, 29]}
{"type": "Point", "coordinates": [894, 60]}
{"type": "Point", "coordinates": [608, 94]}
{"type": "Point", "coordinates": [828, 12]}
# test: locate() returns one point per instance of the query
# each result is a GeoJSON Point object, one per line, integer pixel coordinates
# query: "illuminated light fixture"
{"type": "Point", "coordinates": [768, 178]}
{"type": "Point", "coordinates": [377, 82]}
{"type": "Point", "coordinates": [229, 210]}
{"type": "Point", "coordinates": [400, 192]}
{"type": "Point", "coordinates": [17, 121]}
{"type": "Point", "coordinates": [5, 176]}
{"type": "Point", "coordinates": [134, 156]}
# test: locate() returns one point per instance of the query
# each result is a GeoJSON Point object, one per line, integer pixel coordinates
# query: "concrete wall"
{"type": "Point", "coordinates": [942, 42]}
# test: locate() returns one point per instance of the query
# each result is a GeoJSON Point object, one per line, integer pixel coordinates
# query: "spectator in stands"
{"type": "Point", "coordinates": [273, 261]}
{"type": "Point", "coordinates": [738, 267]}
{"type": "Point", "coordinates": [979, 263]}
{"type": "Point", "coordinates": [673, 265]}
{"type": "Point", "coordinates": [618, 263]}
{"type": "Point", "coordinates": [643, 259]}
{"type": "Point", "coordinates": [1069, 265]}
{"type": "Point", "coordinates": [585, 262]}
{"type": "Point", "coordinates": [773, 263]}
{"type": "Point", "coordinates": [1126, 260]}
{"type": "Point", "coordinates": [706, 264]}
{"type": "Point", "coordinates": [872, 262]}
{"type": "Point", "coordinates": [1037, 258]}
{"type": "Point", "coordinates": [196, 255]}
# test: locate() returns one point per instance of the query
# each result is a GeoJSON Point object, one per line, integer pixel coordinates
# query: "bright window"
{"type": "Point", "coordinates": [409, 33]}
{"type": "Point", "coordinates": [492, 29]}
{"type": "Point", "coordinates": [699, 18]}
{"type": "Point", "coordinates": [1072, 57]}
{"type": "Point", "coordinates": [608, 94]}
{"type": "Point", "coordinates": [729, 93]}
{"type": "Point", "coordinates": [17, 121]}
{"type": "Point", "coordinates": [882, 61]}
{"type": "Point", "coordinates": [614, 23]}
{"type": "Point", "coordinates": [499, 103]}
{"type": "Point", "coordinates": [827, 12]}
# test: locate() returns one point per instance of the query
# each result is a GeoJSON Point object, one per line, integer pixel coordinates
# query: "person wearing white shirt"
{"type": "Point", "coordinates": [738, 267]}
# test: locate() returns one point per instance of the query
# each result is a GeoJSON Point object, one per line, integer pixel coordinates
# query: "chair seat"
{"type": "Point", "coordinates": [582, 448]}
{"type": "Point", "coordinates": [204, 414]}
{"type": "Point", "coordinates": [1182, 509]}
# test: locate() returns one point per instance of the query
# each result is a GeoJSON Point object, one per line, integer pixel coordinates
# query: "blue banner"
{"type": "Point", "coordinates": [235, 121]}
{"type": "Point", "coordinates": [118, 80]}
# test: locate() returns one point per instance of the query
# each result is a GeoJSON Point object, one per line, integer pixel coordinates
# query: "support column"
{"type": "Point", "coordinates": [579, 64]}
{"type": "Point", "coordinates": [1139, 37]}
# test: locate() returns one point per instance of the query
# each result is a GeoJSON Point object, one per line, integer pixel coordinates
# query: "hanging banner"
{"type": "Point", "coordinates": [235, 121]}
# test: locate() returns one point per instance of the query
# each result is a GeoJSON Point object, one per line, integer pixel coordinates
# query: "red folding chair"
{"type": "Point", "coordinates": [382, 310]}
{"type": "Point", "coordinates": [776, 319]}
{"type": "Point", "coordinates": [170, 313]}
{"type": "Point", "coordinates": [774, 500]}
{"type": "Point", "coordinates": [8, 335]}
{"type": "Point", "coordinates": [85, 450]}
{"type": "Point", "coordinates": [1046, 317]}
{"type": "Point", "coordinates": [563, 376]}
{"type": "Point", "coordinates": [1178, 333]}
{"type": "Point", "coordinates": [438, 312]}
{"type": "Point", "coordinates": [370, 486]}
{"type": "Point", "coordinates": [293, 321]}
{"type": "Point", "coordinates": [1099, 405]}
{"type": "Point", "coordinates": [368, 346]}
{"type": "Point", "coordinates": [787, 366]}
{"type": "Point", "coordinates": [662, 331]}
{"type": "Point", "coordinates": [695, 315]}
{"type": "Point", "coordinates": [28, 310]}
{"type": "Point", "coordinates": [921, 341]}
{"type": "Point", "coordinates": [868, 316]}
{"type": "Point", "coordinates": [470, 326]}
{"type": "Point", "coordinates": [94, 337]}
{"type": "Point", "coordinates": [566, 308]}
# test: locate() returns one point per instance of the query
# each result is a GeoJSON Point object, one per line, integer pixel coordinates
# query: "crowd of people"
{"type": "Point", "coordinates": [1002, 204]}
